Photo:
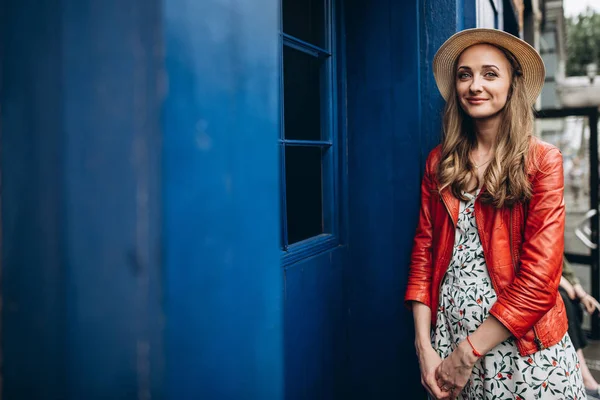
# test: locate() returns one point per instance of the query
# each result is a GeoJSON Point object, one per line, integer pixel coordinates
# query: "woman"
{"type": "Point", "coordinates": [574, 296]}
{"type": "Point", "coordinates": [486, 262]}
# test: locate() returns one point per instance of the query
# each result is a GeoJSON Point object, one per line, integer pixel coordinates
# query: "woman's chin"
{"type": "Point", "coordinates": [479, 114]}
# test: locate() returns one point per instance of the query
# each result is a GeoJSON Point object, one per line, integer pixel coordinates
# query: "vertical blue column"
{"type": "Point", "coordinates": [81, 311]}
{"type": "Point", "coordinates": [112, 208]}
{"type": "Point", "coordinates": [220, 185]}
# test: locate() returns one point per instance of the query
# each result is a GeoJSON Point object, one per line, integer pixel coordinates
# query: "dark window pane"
{"type": "Point", "coordinates": [302, 95]}
{"type": "Point", "coordinates": [305, 19]}
{"type": "Point", "coordinates": [304, 192]}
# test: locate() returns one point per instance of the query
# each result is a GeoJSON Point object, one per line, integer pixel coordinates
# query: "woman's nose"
{"type": "Point", "coordinates": [475, 85]}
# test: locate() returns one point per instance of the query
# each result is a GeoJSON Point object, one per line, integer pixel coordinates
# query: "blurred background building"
{"type": "Point", "coordinates": [570, 46]}
{"type": "Point", "coordinates": [217, 199]}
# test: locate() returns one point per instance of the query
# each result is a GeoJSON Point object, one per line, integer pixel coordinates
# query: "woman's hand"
{"type": "Point", "coordinates": [428, 357]}
{"type": "Point", "coordinates": [454, 372]}
{"type": "Point", "coordinates": [570, 289]}
{"type": "Point", "coordinates": [590, 303]}
{"type": "Point", "coordinates": [429, 360]}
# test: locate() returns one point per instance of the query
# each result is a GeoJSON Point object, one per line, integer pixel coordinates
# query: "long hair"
{"type": "Point", "coordinates": [505, 179]}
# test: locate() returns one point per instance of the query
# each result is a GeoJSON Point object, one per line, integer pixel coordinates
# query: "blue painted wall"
{"type": "Point", "coordinates": [466, 14]}
{"type": "Point", "coordinates": [223, 282]}
{"type": "Point", "coordinates": [384, 158]}
{"type": "Point", "coordinates": [80, 200]}
{"type": "Point", "coordinates": [33, 289]}
{"type": "Point", "coordinates": [112, 204]}
{"type": "Point", "coordinates": [140, 232]}
{"type": "Point", "coordinates": [432, 35]}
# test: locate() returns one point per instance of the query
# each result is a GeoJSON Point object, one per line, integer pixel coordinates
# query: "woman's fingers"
{"type": "Point", "coordinates": [445, 387]}
{"type": "Point", "coordinates": [589, 303]}
{"type": "Point", "coordinates": [590, 307]}
{"type": "Point", "coordinates": [428, 389]}
{"type": "Point", "coordinates": [595, 302]}
{"type": "Point", "coordinates": [435, 388]}
{"type": "Point", "coordinates": [427, 385]}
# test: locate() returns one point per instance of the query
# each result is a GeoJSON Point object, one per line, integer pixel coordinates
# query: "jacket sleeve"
{"type": "Point", "coordinates": [420, 270]}
{"type": "Point", "coordinates": [533, 292]}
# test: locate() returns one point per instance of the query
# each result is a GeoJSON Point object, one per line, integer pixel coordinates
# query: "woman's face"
{"type": "Point", "coordinates": [483, 80]}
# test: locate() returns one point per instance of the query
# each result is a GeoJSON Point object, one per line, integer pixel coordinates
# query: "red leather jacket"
{"type": "Point", "coordinates": [522, 245]}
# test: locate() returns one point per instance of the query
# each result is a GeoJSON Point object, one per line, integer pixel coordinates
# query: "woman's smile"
{"type": "Point", "coordinates": [476, 100]}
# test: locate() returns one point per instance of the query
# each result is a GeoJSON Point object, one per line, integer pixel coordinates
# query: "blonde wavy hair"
{"type": "Point", "coordinates": [505, 179]}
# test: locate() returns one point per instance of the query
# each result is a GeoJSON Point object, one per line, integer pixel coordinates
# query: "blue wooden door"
{"type": "Point", "coordinates": [352, 147]}
{"type": "Point", "coordinates": [312, 195]}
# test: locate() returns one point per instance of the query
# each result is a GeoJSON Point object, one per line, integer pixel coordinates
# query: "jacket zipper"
{"type": "Point", "coordinates": [447, 209]}
{"type": "Point", "coordinates": [536, 338]}
{"type": "Point", "coordinates": [512, 245]}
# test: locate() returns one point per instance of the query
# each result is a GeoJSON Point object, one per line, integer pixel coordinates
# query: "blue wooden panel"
{"type": "Point", "coordinates": [384, 169]}
{"type": "Point", "coordinates": [436, 27]}
{"type": "Point", "coordinates": [466, 13]}
{"type": "Point", "coordinates": [315, 334]}
{"type": "Point", "coordinates": [33, 328]}
{"type": "Point", "coordinates": [111, 108]}
{"type": "Point", "coordinates": [224, 285]}
{"type": "Point", "coordinates": [80, 218]}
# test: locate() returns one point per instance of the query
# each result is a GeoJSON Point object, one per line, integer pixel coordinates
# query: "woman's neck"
{"type": "Point", "coordinates": [485, 133]}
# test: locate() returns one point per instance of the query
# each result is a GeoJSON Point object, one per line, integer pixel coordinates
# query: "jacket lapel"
{"type": "Point", "coordinates": [452, 204]}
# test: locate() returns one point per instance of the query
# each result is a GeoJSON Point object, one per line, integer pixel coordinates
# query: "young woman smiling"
{"type": "Point", "coordinates": [487, 256]}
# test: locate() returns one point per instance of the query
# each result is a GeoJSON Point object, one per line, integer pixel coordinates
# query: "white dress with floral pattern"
{"type": "Point", "coordinates": [465, 301]}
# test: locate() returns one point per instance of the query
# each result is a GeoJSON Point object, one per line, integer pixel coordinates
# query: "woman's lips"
{"type": "Point", "coordinates": [476, 100]}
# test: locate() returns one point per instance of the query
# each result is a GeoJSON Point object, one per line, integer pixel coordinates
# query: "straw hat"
{"type": "Point", "coordinates": [531, 63]}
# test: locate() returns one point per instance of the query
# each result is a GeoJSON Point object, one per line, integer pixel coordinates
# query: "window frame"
{"type": "Point", "coordinates": [332, 138]}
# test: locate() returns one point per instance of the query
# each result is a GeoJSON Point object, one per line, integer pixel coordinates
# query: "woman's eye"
{"type": "Point", "coordinates": [491, 74]}
{"type": "Point", "coordinates": [463, 75]}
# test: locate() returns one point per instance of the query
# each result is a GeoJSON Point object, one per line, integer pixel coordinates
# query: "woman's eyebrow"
{"type": "Point", "coordinates": [483, 66]}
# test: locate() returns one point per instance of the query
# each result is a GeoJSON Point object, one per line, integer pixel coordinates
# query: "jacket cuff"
{"type": "Point", "coordinates": [518, 328]}
{"type": "Point", "coordinates": [421, 298]}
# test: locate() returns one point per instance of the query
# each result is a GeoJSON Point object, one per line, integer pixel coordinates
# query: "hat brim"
{"type": "Point", "coordinates": [530, 60]}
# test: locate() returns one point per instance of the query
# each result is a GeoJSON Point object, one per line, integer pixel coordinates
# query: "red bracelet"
{"type": "Point", "coordinates": [477, 354]}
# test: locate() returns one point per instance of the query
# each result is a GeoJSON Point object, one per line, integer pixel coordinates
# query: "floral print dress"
{"type": "Point", "coordinates": [466, 298]}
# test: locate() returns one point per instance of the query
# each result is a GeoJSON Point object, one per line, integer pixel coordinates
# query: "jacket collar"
{"type": "Point", "coordinates": [452, 203]}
